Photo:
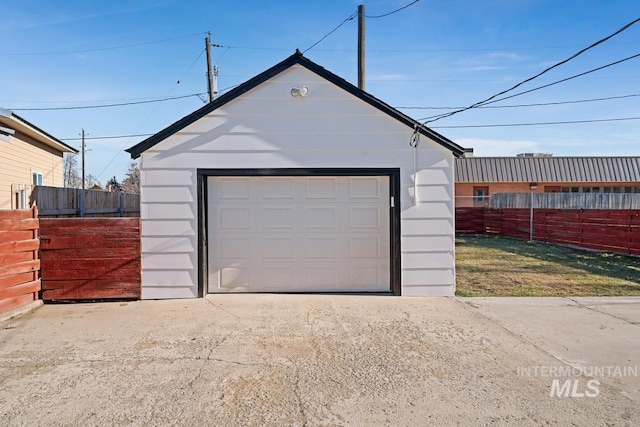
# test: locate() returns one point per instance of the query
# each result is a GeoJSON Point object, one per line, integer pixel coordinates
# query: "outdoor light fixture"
{"type": "Point", "coordinates": [299, 91]}
{"type": "Point", "coordinates": [533, 185]}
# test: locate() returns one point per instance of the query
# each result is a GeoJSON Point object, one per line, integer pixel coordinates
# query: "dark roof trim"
{"type": "Point", "coordinates": [48, 135]}
{"type": "Point", "coordinates": [22, 123]}
{"type": "Point", "coordinates": [296, 58]}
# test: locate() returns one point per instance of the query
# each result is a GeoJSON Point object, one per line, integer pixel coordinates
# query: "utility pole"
{"type": "Point", "coordinates": [361, 47]}
{"type": "Point", "coordinates": [210, 73]}
{"type": "Point", "coordinates": [83, 147]}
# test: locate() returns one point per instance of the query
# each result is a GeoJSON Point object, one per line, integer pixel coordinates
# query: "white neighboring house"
{"type": "Point", "coordinates": [296, 181]}
{"type": "Point", "coordinates": [29, 156]}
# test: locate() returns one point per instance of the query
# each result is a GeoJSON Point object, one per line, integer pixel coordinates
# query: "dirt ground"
{"type": "Point", "coordinates": [276, 360]}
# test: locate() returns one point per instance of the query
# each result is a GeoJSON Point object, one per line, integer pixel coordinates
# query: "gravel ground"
{"type": "Point", "coordinates": [283, 360]}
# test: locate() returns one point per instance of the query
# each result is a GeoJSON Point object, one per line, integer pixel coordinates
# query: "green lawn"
{"type": "Point", "coordinates": [501, 266]}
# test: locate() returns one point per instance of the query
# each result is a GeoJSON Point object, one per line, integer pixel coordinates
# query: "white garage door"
{"type": "Point", "coordinates": [298, 234]}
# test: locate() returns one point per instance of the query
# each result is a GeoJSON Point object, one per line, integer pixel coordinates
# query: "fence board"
{"type": "Point", "coordinates": [19, 263]}
{"type": "Point", "coordinates": [56, 202]}
{"type": "Point", "coordinates": [19, 290]}
{"type": "Point", "coordinates": [90, 258]}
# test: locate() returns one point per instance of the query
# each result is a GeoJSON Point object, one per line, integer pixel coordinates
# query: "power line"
{"type": "Point", "coordinates": [537, 123]}
{"type": "Point", "coordinates": [575, 55]}
{"type": "Point", "coordinates": [538, 104]}
{"type": "Point", "coordinates": [566, 79]}
{"type": "Point", "coordinates": [443, 115]}
{"type": "Point", "coordinates": [107, 137]}
{"type": "Point", "coordinates": [349, 18]}
{"type": "Point", "coordinates": [151, 114]}
{"type": "Point", "coordinates": [492, 49]}
{"type": "Point", "coordinates": [434, 127]}
{"type": "Point", "coordinates": [393, 11]}
{"type": "Point", "coordinates": [120, 104]}
{"type": "Point", "coordinates": [64, 52]}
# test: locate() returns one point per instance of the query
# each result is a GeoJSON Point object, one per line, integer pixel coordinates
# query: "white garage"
{"type": "Point", "coordinates": [297, 181]}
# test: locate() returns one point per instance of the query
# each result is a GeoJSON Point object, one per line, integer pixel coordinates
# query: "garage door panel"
{"type": "Point", "coordinates": [277, 188]}
{"type": "Point", "coordinates": [277, 248]}
{"type": "Point", "coordinates": [321, 247]}
{"type": "Point", "coordinates": [365, 217]}
{"type": "Point", "coordinates": [233, 188]}
{"type": "Point", "coordinates": [321, 217]}
{"type": "Point", "coordinates": [233, 247]}
{"type": "Point", "coordinates": [321, 188]}
{"type": "Point", "coordinates": [365, 247]}
{"type": "Point", "coordinates": [321, 277]}
{"type": "Point", "coordinates": [365, 187]}
{"type": "Point", "coordinates": [281, 218]}
{"type": "Point", "coordinates": [299, 234]}
{"type": "Point", "coordinates": [367, 277]}
{"type": "Point", "coordinates": [277, 277]}
{"type": "Point", "coordinates": [230, 278]}
{"type": "Point", "coordinates": [233, 218]}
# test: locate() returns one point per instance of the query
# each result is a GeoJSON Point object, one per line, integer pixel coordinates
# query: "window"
{"type": "Point", "coordinates": [480, 195]}
{"type": "Point", "coordinates": [37, 178]}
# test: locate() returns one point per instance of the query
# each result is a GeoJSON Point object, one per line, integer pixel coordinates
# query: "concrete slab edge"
{"type": "Point", "coordinates": [19, 311]}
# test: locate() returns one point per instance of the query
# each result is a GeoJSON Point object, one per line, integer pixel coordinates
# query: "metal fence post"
{"type": "Point", "coordinates": [531, 219]}
{"type": "Point", "coordinates": [81, 196]}
{"type": "Point", "coordinates": [121, 204]}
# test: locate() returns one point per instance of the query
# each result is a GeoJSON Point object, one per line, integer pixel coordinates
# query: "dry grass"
{"type": "Point", "coordinates": [500, 266]}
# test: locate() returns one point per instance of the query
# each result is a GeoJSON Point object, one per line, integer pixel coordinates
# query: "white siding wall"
{"type": "Point", "coordinates": [268, 128]}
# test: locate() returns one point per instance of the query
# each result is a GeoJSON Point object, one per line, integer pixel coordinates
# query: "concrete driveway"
{"type": "Point", "coordinates": [322, 360]}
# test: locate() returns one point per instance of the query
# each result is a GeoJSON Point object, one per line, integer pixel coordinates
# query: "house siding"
{"type": "Point", "coordinates": [20, 156]}
{"type": "Point", "coordinates": [268, 128]}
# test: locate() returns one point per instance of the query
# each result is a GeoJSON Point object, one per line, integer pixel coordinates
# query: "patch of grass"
{"type": "Point", "coordinates": [501, 266]}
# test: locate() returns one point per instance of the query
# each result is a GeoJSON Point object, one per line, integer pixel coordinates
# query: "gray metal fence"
{"type": "Point", "coordinates": [566, 200]}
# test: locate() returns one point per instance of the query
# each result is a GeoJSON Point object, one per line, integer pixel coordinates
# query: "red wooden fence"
{"type": "Point", "coordinates": [90, 258]}
{"type": "Point", "coordinates": [613, 230]}
{"type": "Point", "coordinates": [19, 263]}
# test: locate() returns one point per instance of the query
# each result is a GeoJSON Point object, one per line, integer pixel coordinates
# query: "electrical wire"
{"type": "Point", "coordinates": [393, 11]}
{"type": "Point", "coordinates": [121, 104]}
{"type": "Point", "coordinates": [539, 104]}
{"type": "Point", "coordinates": [431, 119]}
{"type": "Point", "coordinates": [565, 79]}
{"type": "Point", "coordinates": [149, 116]}
{"type": "Point", "coordinates": [107, 137]}
{"type": "Point", "coordinates": [493, 49]}
{"type": "Point", "coordinates": [568, 122]}
{"type": "Point", "coordinates": [575, 55]}
{"type": "Point", "coordinates": [65, 52]}
{"type": "Point", "coordinates": [349, 18]}
{"type": "Point", "coordinates": [619, 119]}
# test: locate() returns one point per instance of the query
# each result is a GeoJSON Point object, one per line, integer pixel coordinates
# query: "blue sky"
{"type": "Point", "coordinates": [435, 53]}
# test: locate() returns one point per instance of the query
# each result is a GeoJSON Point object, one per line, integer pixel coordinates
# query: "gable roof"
{"type": "Point", "coordinates": [547, 169]}
{"type": "Point", "coordinates": [296, 58]}
{"type": "Point", "coordinates": [12, 122]}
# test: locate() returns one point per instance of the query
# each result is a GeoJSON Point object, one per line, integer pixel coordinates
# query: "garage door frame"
{"type": "Point", "coordinates": [394, 213]}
